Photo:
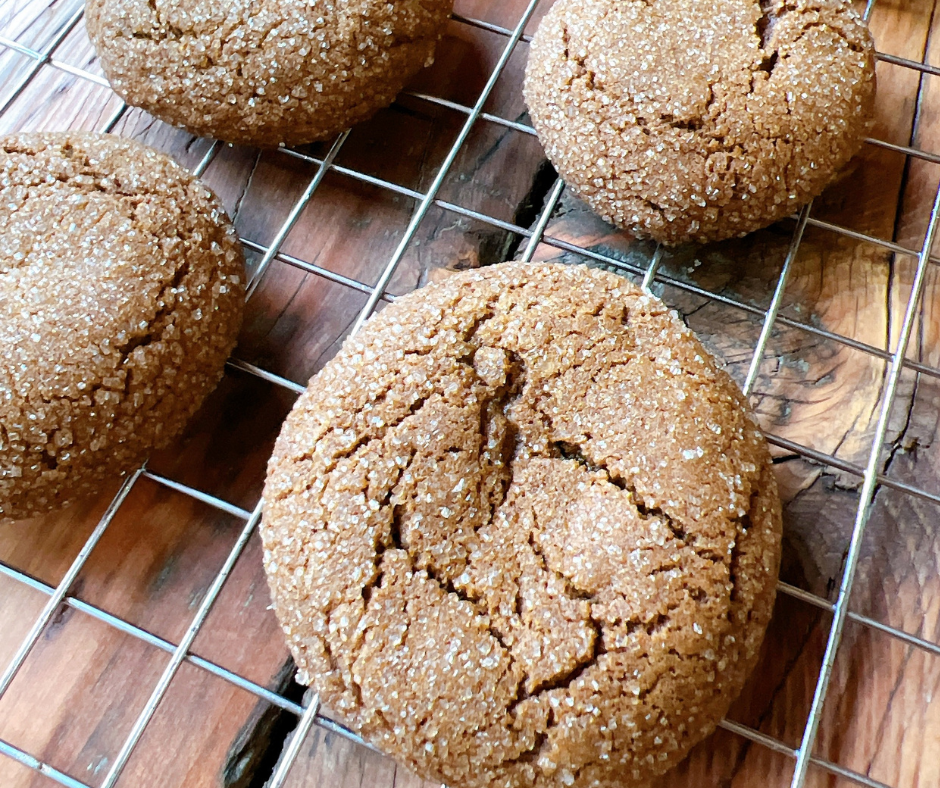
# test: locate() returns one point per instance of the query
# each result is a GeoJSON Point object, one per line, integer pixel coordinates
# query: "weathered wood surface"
{"type": "Point", "coordinates": [879, 719]}
{"type": "Point", "coordinates": [84, 684]}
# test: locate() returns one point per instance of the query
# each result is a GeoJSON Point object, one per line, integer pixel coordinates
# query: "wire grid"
{"type": "Point", "coordinates": [311, 714]}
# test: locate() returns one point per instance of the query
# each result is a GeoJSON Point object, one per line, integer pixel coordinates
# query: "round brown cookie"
{"type": "Point", "coordinates": [264, 73]}
{"type": "Point", "coordinates": [522, 531]}
{"type": "Point", "coordinates": [121, 293]}
{"type": "Point", "coordinates": [689, 120]}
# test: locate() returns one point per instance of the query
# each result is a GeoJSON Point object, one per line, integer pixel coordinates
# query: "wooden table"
{"type": "Point", "coordinates": [818, 393]}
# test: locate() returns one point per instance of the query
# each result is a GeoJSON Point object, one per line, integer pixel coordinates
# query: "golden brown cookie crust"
{"type": "Point", "coordinates": [689, 120]}
{"type": "Point", "coordinates": [522, 531]}
{"type": "Point", "coordinates": [267, 73]}
{"type": "Point", "coordinates": [121, 294]}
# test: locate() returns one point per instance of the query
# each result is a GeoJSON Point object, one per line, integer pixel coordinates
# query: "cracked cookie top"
{"type": "Point", "coordinates": [121, 292]}
{"type": "Point", "coordinates": [263, 73]}
{"type": "Point", "coordinates": [685, 120]}
{"type": "Point", "coordinates": [522, 531]}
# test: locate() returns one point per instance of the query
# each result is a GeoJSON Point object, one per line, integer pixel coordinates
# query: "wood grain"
{"type": "Point", "coordinates": [85, 682]}
{"type": "Point", "coordinates": [892, 734]}
{"type": "Point", "coordinates": [817, 392]}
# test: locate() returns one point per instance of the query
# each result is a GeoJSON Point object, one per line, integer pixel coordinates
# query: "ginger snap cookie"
{"type": "Point", "coordinates": [121, 294]}
{"type": "Point", "coordinates": [686, 120]}
{"type": "Point", "coordinates": [265, 73]}
{"type": "Point", "coordinates": [523, 531]}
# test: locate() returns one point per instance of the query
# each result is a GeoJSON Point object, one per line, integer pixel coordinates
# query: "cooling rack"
{"type": "Point", "coordinates": [860, 504]}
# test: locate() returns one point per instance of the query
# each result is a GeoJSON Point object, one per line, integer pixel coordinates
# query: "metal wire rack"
{"type": "Point", "coordinates": [872, 478]}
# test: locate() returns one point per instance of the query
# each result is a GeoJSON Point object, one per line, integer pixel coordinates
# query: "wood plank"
{"type": "Point", "coordinates": [814, 391]}
{"type": "Point", "coordinates": [164, 549]}
{"type": "Point", "coordinates": [159, 556]}
{"type": "Point", "coordinates": [827, 396]}
{"type": "Point", "coordinates": [495, 174]}
{"type": "Point", "coordinates": [34, 24]}
{"type": "Point", "coordinates": [882, 716]}
{"type": "Point", "coordinates": [84, 683]}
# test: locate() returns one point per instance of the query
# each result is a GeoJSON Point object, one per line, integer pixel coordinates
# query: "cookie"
{"type": "Point", "coordinates": [522, 531]}
{"type": "Point", "coordinates": [686, 120]}
{"type": "Point", "coordinates": [266, 73]}
{"type": "Point", "coordinates": [121, 294]}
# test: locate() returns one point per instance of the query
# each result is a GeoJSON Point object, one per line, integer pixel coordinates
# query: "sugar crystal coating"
{"type": "Point", "coordinates": [121, 294]}
{"type": "Point", "coordinates": [522, 531]}
{"type": "Point", "coordinates": [689, 120]}
{"type": "Point", "coordinates": [264, 73]}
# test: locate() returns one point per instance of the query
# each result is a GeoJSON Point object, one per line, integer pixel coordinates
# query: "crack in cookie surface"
{"type": "Point", "coordinates": [516, 580]}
